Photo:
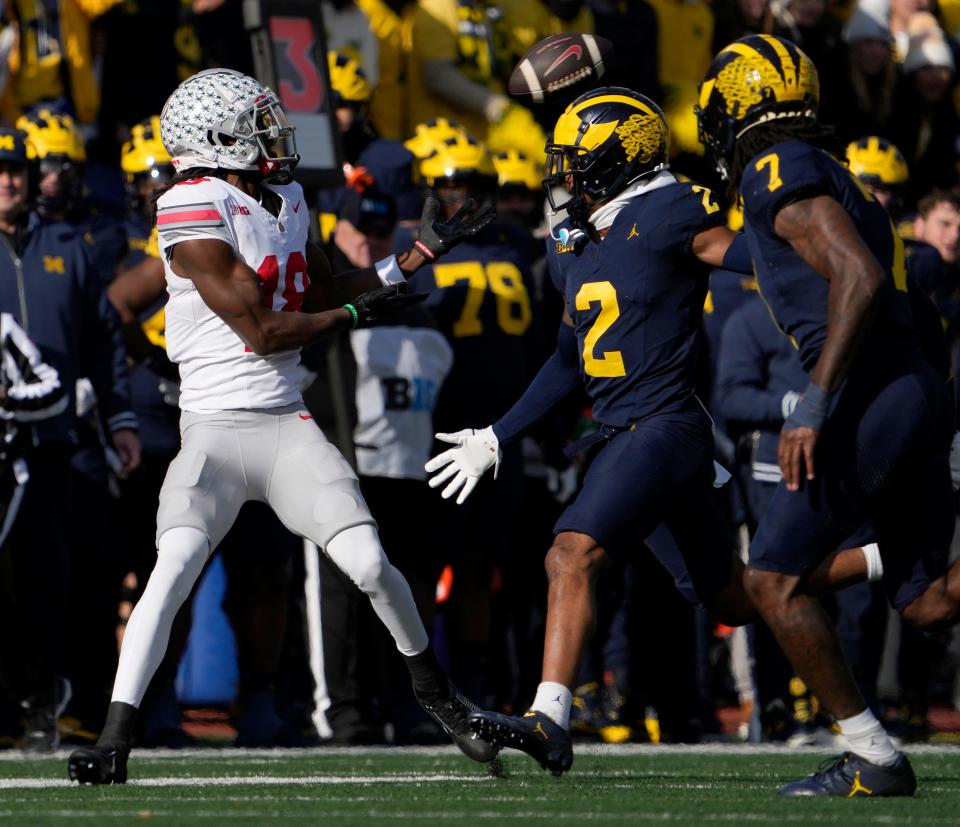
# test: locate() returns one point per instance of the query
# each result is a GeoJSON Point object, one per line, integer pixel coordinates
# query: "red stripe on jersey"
{"type": "Point", "coordinates": [188, 215]}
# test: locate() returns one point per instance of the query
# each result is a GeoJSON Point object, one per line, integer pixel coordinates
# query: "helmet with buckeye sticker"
{"type": "Point", "coordinates": [755, 80]}
{"type": "Point", "coordinates": [223, 119]}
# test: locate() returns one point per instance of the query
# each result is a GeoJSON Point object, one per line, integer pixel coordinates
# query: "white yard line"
{"type": "Point", "coordinates": [618, 750]}
{"type": "Point", "coordinates": [260, 780]}
{"type": "Point", "coordinates": [471, 816]}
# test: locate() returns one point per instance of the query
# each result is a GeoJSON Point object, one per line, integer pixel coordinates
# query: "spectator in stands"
{"type": "Point", "coordinates": [54, 65]}
{"type": "Point", "coordinates": [454, 69]}
{"type": "Point", "coordinates": [457, 66]}
{"type": "Point", "coordinates": [738, 18]}
{"type": "Point", "coordinates": [927, 127]}
{"type": "Point", "coordinates": [808, 24]}
{"type": "Point", "coordinates": [48, 282]}
{"type": "Point", "coordinates": [685, 50]}
{"type": "Point", "coordinates": [632, 29]}
{"type": "Point", "coordinates": [938, 223]}
{"type": "Point", "coordinates": [388, 109]}
{"type": "Point", "coordinates": [864, 98]}
{"type": "Point", "coordinates": [369, 159]}
{"type": "Point", "coordinates": [348, 32]}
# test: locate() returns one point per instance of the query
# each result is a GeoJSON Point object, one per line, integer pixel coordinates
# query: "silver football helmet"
{"type": "Point", "coordinates": [222, 118]}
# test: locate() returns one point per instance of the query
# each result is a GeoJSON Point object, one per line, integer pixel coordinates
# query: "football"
{"type": "Point", "coordinates": [559, 67]}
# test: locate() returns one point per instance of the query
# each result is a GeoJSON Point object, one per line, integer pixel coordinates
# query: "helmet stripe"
{"type": "Point", "coordinates": [787, 63]}
{"type": "Point", "coordinates": [615, 99]}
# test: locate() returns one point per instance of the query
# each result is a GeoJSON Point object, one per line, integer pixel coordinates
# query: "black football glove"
{"type": "Point", "coordinates": [437, 236]}
{"type": "Point", "coordinates": [374, 304]}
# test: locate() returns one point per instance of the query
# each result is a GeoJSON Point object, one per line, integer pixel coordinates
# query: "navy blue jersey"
{"type": "Point", "coordinates": [481, 297]}
{"type": "Point", "coordinates": [636, 300]}
{"type": "Point", "coordinates": [794, 291]}
{"type": "Point", "coordinates": [106, 237]}
{"type": "Point", "coordinates": [139, 231]}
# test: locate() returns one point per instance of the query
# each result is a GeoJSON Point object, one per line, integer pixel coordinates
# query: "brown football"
{"type": "Point", "coordinates": [559, 68]}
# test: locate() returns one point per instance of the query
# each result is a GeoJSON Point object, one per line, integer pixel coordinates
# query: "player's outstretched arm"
{"type": "Point", "coordinates": [822, 233]}
{"type": "Point", "coordinates": [230, 288]}
{"type": "Point", "coordinates": [475, 451]}
{"type": "Point", "coordinates": [436, 237]}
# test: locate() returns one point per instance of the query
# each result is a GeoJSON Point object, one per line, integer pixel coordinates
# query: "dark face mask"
{"type": "Point", "coordinates": [565, 9]}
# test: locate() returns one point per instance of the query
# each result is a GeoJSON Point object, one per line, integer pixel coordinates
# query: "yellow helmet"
{"type": "Point", "coordinates": [348, 80]}
{"type": "Point", "coordinates": [460, 158]}
{"type": "Point", "coordinates": [144, 151]}
{"type": "Point", "coordinates": [877, 162]}
{"type": "Point", "coordinates": [753, 80]}
{"type": "Point", "coordinates": [144, 159]}
{"type": "Point", "coordinates": [427, 136]}
{"type": "Point", "coordinates": [517, 169]}
{"type": "Point", "coordinates": [50, 133]}
{"type": "Point", "coordinates": [603, 141]}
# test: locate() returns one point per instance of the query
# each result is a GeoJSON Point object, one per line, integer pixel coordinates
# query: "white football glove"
{"type": "Point", "coordinates": [474, 453]}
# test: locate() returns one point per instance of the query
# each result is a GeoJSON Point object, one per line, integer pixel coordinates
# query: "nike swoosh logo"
{"type": "Point", "coordinates": [571, 50]}
{"type": "Point", "coordinates": [304, 417]}
{"type": "Point", "coordinates": [297, 208]}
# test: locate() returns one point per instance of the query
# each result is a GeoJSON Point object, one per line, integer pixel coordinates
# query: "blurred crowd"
{"type": "Point", "coordinates": [420, 104]}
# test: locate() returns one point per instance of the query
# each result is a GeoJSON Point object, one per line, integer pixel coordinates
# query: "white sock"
{"type": "Point", "coordinates": [357, 553]}
{"type": "Point", "coordinates": [868, 739]}
{"type": "Point", "coordinates": [871, 553]}
{"type": "Point", "coordinates": [181, 554]}
{"type": "Point", "coordinates": [554, 700]}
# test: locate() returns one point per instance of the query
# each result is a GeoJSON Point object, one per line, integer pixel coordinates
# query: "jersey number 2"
{"type": "Point", "coordinates": [611, 363]}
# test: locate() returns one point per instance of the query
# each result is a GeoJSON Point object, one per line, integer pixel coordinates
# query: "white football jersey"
{"type": "Point", "coordinates": [218, 371]}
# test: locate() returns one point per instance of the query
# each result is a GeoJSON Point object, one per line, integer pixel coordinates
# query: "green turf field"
{"type": "Point", "coordinates": [622, 785]}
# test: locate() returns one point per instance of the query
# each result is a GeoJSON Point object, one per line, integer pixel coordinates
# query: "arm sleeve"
{"type": "Point", "coordinates": [742, 379]}
{"type": "Point", "coordinates": [559, 376]}
{"type": "Point", "coordinates": [737, 258]}
{"type": "Point", "coordinates": [33, 388]}
{"type": "Point", "coordinates": [103, 358]}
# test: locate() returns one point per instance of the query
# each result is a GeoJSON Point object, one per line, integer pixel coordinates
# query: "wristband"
{"type": "Point", "coordinates": [425, 251]}
{"type": "Point", "coordinates": [355, 317]}
{"type": "Point", "coordinates": [389, 271]}
{"type": "Point", "coordinates": [811, 411]}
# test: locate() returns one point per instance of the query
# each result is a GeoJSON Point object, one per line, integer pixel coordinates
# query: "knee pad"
{"type": "Point", "coordinates": [357, 552]}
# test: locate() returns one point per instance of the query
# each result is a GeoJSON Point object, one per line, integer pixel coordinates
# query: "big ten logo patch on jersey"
{"type": "Point", "coordinates": [239, 209]}
{"type": "Point", "coordinates": [402, 394]}
{"type": "Point", "coordinates": [54, 264]}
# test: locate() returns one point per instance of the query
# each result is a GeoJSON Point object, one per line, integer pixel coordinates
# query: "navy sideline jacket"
{"type": "Point", "coordinates": [49, 284]}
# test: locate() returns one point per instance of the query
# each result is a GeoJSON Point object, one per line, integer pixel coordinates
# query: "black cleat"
{"type": "Point", "coordinates": [535, 734]}
{"type": "Point", "coordinates": [849, 775]}
{"type": "Point", "coordinates": [99, 764]}
{"type": "Point", "coordinates": [453, 713]}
